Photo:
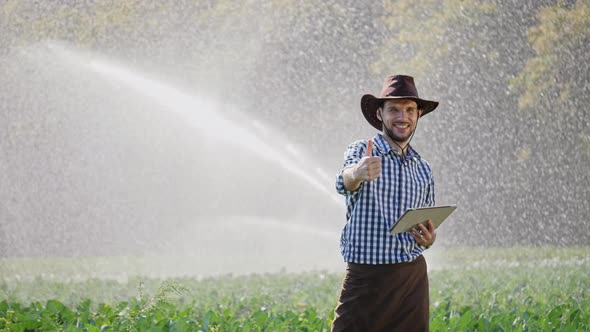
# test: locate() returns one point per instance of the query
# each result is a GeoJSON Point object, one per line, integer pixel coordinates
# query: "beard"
{"type": "Point", "coordinates": [397, 138]}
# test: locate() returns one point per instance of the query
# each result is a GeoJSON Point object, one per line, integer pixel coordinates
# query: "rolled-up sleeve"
{"type": "Point", "coordinates": [352, 156]}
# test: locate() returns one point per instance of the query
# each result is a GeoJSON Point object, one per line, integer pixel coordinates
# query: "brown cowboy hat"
{"type": "Point", "coordinates": [395, 87]}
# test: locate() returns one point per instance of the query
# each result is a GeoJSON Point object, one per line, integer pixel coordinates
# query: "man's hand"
{"type": "Point", "coordinates": [424, 236]}
{"type": "Point", "coordinates": [367, 169]}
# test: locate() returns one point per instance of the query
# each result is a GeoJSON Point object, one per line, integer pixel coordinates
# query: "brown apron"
{"type": "Point", "coordinates": [386, 297]}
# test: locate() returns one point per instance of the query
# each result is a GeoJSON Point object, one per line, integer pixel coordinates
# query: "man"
{"type": "Point", "coordinates": [386, 285]}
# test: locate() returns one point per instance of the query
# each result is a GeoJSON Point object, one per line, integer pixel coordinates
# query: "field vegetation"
{"type": "Point", "coordinates": [517, 289]}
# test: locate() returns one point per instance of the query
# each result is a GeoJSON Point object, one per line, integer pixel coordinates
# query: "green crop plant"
{"type": "Point", "coordinates": [533, 290]}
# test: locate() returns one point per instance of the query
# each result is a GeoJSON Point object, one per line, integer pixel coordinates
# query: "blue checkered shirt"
{"type": "Point", "coordinates": [375, 206]}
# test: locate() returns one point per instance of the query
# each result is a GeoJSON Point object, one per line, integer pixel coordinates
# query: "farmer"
{"type": "Point", "coordinates": [386, 285]}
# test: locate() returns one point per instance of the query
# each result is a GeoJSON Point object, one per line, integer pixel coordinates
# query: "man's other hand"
{"type": "Point", "coordinates": [424, 236]}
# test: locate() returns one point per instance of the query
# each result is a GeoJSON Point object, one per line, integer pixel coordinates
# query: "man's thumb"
{"type": "Point", "coordinates": [369, 152]}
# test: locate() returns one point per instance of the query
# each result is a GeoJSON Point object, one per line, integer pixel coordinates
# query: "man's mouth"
{"type": "Point", "coordinates": [401, 125]}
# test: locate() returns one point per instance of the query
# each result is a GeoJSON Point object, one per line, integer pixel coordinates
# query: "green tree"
{"type": "Point", "coordinates": [82, 23]}
{"type": "Point", "coordinates": [557, 75]}
{"type": "Point", "coordinates": [554, 92]}
{"type": "Point", "coordinates": [556, 80]}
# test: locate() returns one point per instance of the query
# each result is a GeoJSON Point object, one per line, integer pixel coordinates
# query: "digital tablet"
{"type": "Point", "coordinates": [413, 217]}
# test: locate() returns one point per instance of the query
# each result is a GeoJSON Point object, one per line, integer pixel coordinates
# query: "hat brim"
{"type": "Point", "coordinates": [370, 103]}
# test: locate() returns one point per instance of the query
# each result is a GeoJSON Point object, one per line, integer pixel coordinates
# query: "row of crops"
{"type": "Point", "coordinates": [545, 290]}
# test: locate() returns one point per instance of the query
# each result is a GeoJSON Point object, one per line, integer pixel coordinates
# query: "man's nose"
{"type": "Point", "coordinates": [403, 116]}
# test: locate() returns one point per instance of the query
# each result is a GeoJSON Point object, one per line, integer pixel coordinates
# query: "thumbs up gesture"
{"type": "Point", "coordinates": [369, 167]}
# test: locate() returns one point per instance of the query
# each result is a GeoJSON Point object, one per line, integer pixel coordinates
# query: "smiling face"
{"type": "Point", "coordinates": [399, 117]}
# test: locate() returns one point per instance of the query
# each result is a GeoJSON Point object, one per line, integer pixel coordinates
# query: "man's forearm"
{"type": "Point", "coordinates": [350, 182]}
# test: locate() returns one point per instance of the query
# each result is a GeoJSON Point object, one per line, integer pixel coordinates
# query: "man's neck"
{"type": "Point", "coordinates": [400, 147]}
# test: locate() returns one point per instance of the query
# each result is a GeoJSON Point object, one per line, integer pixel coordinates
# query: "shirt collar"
{"type": "Point", "coordinates": [384, 148]}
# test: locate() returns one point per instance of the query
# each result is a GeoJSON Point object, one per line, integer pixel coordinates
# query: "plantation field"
{"type": "Point", "coordinates": [515, 289]}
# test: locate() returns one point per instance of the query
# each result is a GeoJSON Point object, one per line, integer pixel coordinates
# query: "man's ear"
{"type": "Point", "coordinates": [420, 112]}
{"type": "Point", "coordinates": [379, 116]}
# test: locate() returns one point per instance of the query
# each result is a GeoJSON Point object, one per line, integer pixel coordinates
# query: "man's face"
{"type": "Point", "coordinates": [399, 117]}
